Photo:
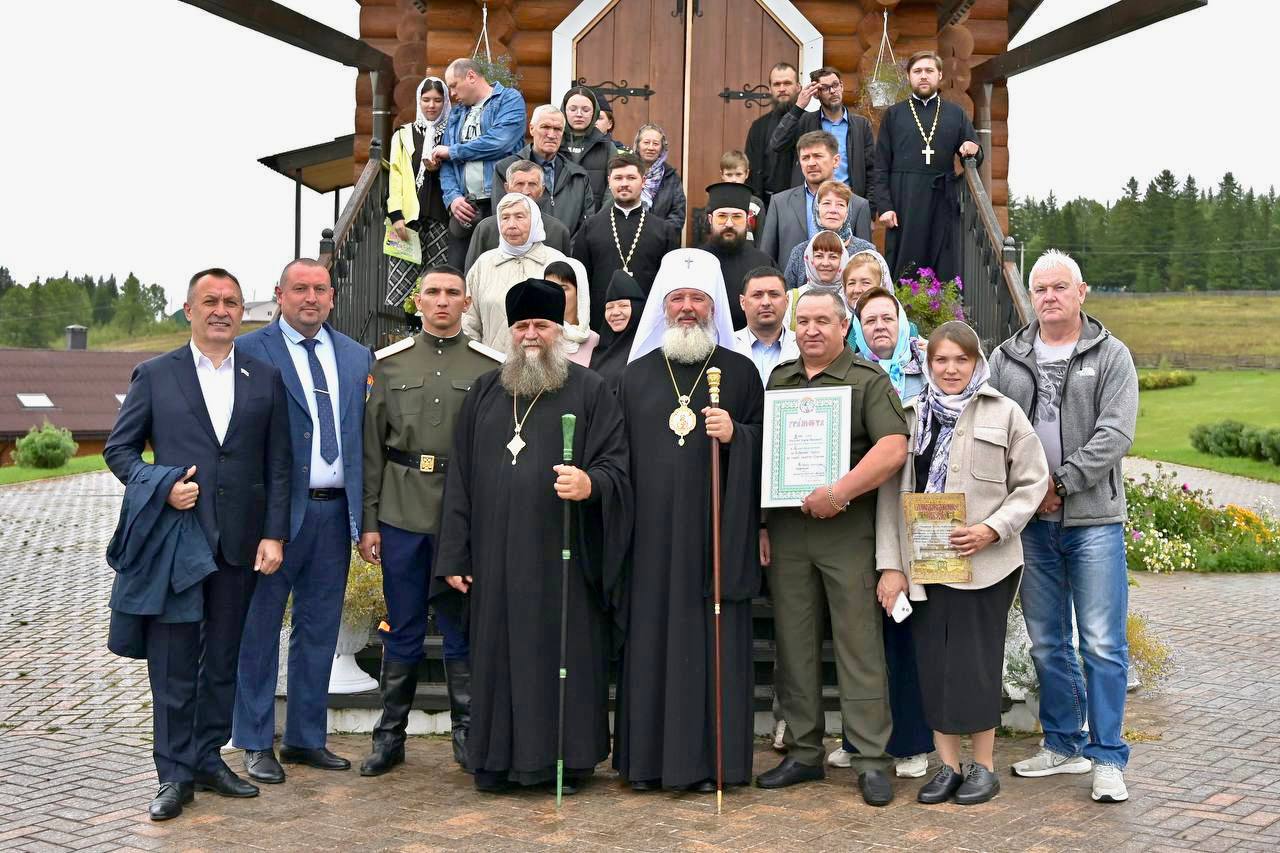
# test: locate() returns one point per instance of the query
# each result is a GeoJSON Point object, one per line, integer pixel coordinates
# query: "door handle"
{"type": "Point", "coordinates": [678, 12]}
{"type": "Point", "coordinates": [697, 8]}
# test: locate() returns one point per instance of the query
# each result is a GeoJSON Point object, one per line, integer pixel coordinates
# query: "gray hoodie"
{"type": "Point", "coordinates": [1098, 418]}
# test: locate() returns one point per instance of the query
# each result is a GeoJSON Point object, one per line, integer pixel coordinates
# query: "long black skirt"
{"type": "Point", "coordinates": [959, 636]}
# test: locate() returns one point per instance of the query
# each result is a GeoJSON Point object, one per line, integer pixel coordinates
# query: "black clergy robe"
{"type": "Point", "coordinates": [734, 266]}
{"type": "Point", "coordinates": [502, 524]}
{"type": "Point", "coordinates": [922, 194]}
{"type": "Point", "coordinates": [770, 170]}
{"type": "Point", "coordinates": [594, 246]}
{"type": "Point", "coordinates": [666, 721]}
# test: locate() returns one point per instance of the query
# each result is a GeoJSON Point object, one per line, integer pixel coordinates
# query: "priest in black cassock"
{"type": "Point", "coordinates": [665, 733]}
{"type": "Point", "coordinates": [727, 207]}
{"type": "Point", "coordinates": [915, 173]}
{"type": "Point", "coordinates": [623, 236]}
{"type": "Point", "coordinates": [500, 543]}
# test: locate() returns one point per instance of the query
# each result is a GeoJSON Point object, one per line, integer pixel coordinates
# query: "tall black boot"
{"type": "Point", "coordinates": [399, 683]}
{"type": "Point", "coordinates": [457, 675]}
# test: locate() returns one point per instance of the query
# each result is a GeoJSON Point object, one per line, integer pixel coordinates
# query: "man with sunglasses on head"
{"type": "Point", "coordinates": [852, 131]}
{"type": "Point", "coordinates": [728, 205]}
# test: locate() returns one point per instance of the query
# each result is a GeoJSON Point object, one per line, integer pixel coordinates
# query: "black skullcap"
{"type": "Point", "coordinates": [728, 194]}
{"type": "Point", "coordinates": [623, 286]}
{"type": "Point", "coordinates": [535, 299]}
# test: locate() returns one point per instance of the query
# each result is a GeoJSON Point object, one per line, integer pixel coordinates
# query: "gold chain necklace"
{"type": "Point", "coordinates": [613, 223]}
{"type": "Point", "coordinates": [683, 420]}
{"type": "Point", "coordinates": [516, 444]}
{"type": "Point", "coordinates": [927, 151]}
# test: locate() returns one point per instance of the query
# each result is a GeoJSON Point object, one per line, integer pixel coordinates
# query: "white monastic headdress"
{"type": "Point", "coordinates": [684, 268]}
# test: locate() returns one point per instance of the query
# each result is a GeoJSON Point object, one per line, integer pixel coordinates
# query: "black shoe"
{"type": "Point", "coordinates": [320, 758]}
{"type": "Point", "coordinates": [980, 785]}
{"type": "Point", "coordinates": [569, 787]}
{"type": "Point", "coordinates": [875, 787]}
{"type": "Point", "coordinates": [261, 766]}
{"type": "Point", "coordinates": [457, 677]}
{"type": "Point", "coordinates": [493, 782]}
{"type": "Point", "coordinates": [789, 772]}
{"type": "Point", "coordinates": [398, 683]}
{"type": "Point", "coordinates": [646, 785]}
{"type": "Point", "coordinates": [706, 786]}
{"type": "Point", "coordinates": [170, 799]}
{"type": "Point", "coordinates": [224, 782]}
{"type": "Point", "coordinates": [941, 787]}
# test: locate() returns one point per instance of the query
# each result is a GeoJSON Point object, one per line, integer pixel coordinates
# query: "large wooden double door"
{"type": "Point", "coordinates": [699, 69]}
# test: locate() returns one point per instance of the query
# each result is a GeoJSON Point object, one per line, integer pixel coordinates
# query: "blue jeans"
{"type": "Point", "coordinates": [1081, 569]}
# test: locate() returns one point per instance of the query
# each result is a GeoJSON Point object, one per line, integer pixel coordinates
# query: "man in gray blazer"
{"type": "Point", "coordinates": [790, 220]}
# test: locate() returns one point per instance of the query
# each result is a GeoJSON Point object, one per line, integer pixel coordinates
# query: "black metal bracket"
{"type": "Point", "coordinates": [621, 91]}
{"type": "Point", "coordinates": [755, 96]}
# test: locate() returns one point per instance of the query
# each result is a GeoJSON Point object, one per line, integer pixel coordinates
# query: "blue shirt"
{"type": "Point", "coordinates": [769, 356]}
{"type": "Point", "coordinates": [809, 199]}
{"type": "Point", "coordinates": [323, 474]}
{"type": "Point", "coordinates": [840, 130]}
{"type": "Point", "coordinates": [548, 173]}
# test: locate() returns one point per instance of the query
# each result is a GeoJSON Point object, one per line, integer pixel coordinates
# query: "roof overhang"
{"type": "Point", "coordinates": [324, 168]}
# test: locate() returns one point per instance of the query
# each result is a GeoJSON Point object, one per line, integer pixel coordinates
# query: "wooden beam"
{"type": "Point", "coordinates": [951, 11]}
{"type": "Point", "coordinates": [281, 22]}
{"type": "Point", "coordinates": [1115, 20]}
{"type": "Point", "coordinates": [1020, 11]}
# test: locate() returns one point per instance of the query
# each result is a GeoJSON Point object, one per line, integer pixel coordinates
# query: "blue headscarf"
{"type": "Point", "coordinates": [905, 360]}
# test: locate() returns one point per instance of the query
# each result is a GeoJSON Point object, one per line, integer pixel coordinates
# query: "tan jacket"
{"type": "Point", "coordinates": [487, 284]}
{"type": "Point", "coordinates": [999, 465]}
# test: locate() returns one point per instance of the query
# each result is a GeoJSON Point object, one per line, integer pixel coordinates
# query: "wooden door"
{"type": "Point", "coordinates": [733, 44]}
{"type": "Point", "coordinates": [642, 44]}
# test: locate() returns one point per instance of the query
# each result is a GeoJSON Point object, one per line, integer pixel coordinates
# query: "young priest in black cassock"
{"type": "Point", "coordinates": [728, 205]}
{"type": "Point", "coordinates": [666, 723]}
{"type": "Point", "coordinates": [622, 236]}
{"type": "Point", "coordinates": [915, 173]}
{"type": "Point", "coordinates": [500, 543]}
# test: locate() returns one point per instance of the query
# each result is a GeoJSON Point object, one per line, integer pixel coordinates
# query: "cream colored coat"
{"type": "Point", "coordinates": [998, 463]}
{"type": "Point", "coordinates": [488, 281]}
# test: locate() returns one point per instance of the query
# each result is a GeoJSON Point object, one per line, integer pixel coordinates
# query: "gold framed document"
{"type": "Point", "coordinates": [806, 442]}
{"type": "Point", "coordinates": [930, 518]}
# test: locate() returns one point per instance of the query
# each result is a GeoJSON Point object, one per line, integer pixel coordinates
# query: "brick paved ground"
{"type": "Point", "coordinates": [1227, 488]}
{"type": "Point", "coordinates": [75, 769]}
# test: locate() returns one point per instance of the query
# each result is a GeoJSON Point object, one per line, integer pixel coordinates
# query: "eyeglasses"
{"type": "Point", "coordinates": [737, 217]}
{"type": "Point", "coordinates": [832, 87]}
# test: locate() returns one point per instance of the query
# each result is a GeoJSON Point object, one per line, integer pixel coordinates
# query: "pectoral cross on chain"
{"type": "Point", "coordinates": [928, 153]}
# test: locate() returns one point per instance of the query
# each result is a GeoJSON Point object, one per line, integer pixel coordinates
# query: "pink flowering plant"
{"type": "Point", "coordinates": [929, 301]}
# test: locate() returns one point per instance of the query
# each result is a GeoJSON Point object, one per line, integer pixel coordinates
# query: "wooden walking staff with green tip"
{"type": "Point", "coordinates": [713, 390]}
{"type": "Point", "coordinates": [567, 425]}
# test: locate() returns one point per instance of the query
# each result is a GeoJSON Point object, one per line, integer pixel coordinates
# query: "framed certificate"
{"type": "Point", "coordinates": [806, 442]}
{"type": "Point", "coordinates": [930, 518]}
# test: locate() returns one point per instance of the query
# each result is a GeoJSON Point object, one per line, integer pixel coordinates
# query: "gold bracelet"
{"type": "Point", "coordinates": [831, 496]}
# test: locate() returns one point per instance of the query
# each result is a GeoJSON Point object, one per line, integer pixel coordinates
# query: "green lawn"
{"type": "Point", "coordinates": [79, 465]}
{"type": "Point", "coordinates": [1165, 418]}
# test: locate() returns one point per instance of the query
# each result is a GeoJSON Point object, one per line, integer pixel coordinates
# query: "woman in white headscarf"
{"type": "Point", "coordinates": [579, 341]}
{"type": "Point", "coordinates": [825, 258]}
{"type": "Point", "coordinates": [521, 254]}
{"type": "Point", "coordinates": [414, 198]}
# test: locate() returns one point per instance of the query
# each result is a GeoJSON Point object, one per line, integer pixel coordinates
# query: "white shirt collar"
{"type": "Point", "coordinates": [200, 358]}
{"type": "Point", "coordinates": [924, 101]}
{"type": "Point", "coordinates": [295, 337]}
{"type": "Point", "coordinates": [627, 211]}
{"type": "Point", "coordinates": [749, 336]}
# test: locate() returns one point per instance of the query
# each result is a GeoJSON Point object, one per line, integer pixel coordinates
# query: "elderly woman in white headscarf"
{"type": "Point", "coordinates": [521, 254]}
{"type": "Point", "coordinates": [414, 199]}
{"type": "Point", "coordinates": [571, 277]}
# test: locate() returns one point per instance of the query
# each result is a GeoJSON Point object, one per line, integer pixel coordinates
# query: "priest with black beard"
{"type": "Point", "coordinates": [915, 173]}
{"type": "Point", "coordinates": [771, 170]}
{"type": "Point", "coordinates": [500, 544]}
{"type": "Point", "coordinates": [728, 205]}
{"type": "Point", "coordinates": [665, 734]}
{"type": "Point", "coordinates": [622, 236]}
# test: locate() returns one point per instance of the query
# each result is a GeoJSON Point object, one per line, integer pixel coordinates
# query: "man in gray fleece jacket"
{"type": "Point", "coordinates": [1077, 384]}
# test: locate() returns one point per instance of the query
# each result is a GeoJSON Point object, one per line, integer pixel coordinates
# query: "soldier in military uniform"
{"type": "Point", "coordinates": [414, 397]}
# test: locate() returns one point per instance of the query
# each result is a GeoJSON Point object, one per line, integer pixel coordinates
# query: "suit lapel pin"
{"type": "Point", "coordinates": [245, 372]}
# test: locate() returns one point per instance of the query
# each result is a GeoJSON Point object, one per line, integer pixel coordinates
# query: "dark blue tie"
{"type": "Point", "coordinates": [324, 406]}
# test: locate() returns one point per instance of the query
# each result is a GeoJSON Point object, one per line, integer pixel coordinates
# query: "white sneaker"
{"type": "Point", "coordinates": [913, 767]}
{"type": "Point", "coordinates": [840, 758]}
{"type": "Point", "coordinates": [779, 730]}
{"type": "Point", "coordinates": [1049, 763]}
{"type": "Point", "coordinates": [1108, 784]}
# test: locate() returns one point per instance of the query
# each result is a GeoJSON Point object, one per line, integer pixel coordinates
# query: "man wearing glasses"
{"type": "Point", "coordinates": [852, 132]}
{"type": "Point", "coordinates": [727, 207]}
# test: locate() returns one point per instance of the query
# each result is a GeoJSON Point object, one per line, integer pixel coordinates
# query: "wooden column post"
{"type": "Point", "coordinates": [981, 95]}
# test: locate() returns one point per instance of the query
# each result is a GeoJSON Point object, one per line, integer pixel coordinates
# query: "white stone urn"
{"type": "Point", "coordinates": [346, 675]}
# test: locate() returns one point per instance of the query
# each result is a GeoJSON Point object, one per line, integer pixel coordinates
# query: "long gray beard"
{"type": "Point", "coordinates": [523, 376]}
{"type": "Point", "coordinates": [687, 344]}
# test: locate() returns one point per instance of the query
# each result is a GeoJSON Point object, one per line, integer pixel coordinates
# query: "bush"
{"type": "Point", "coordinates": [1232, 438]}
{"type": "Point", "coordinates": [929, 301]}
{"type": "Point", "coordinates": [1158, 379]}
{"type": "Point", "coordinates": [47, 447]}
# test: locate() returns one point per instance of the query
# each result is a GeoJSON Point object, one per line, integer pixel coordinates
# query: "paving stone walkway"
{"type": "Point", "coordinates": [1227, 488]}
{"type": "Point", "coordinates": [76, 773]}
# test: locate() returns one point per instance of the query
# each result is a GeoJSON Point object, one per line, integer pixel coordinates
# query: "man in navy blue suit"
{"type": "Point", "coordinates": [324, 372]}
{"type": "Point", "coordinates": [221, 414]}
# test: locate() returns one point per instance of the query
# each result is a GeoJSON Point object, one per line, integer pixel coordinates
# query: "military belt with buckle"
{"type": "Point", "coordinates": [427, 463]}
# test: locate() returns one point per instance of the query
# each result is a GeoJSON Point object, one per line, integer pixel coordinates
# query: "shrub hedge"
{"type": "Point", "coordinates": [1158, 379]}
{"type": "Point", "coordinates": [1232, 438]}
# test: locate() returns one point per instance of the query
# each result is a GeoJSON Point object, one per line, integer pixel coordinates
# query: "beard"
{"type": "Point", "coordinates": [730, 239]}
{"type": "Point", "coordinates": [688, 344]}
{"type": "Point", "coordinates": [527, 373]}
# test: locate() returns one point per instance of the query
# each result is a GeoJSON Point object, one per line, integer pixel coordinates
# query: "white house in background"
{"type": "Point", "coordinates": [260, 312]}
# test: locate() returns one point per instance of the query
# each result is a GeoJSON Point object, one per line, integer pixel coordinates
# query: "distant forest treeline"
{"type": "Point", "coordinates": [36, 314]}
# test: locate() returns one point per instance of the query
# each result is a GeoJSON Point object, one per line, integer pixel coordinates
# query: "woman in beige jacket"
{"type": "Point", "coordinates": [966, 437]}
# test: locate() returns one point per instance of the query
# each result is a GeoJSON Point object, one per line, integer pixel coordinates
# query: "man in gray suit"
{"type": "Point", "coordinates": [790, 220]}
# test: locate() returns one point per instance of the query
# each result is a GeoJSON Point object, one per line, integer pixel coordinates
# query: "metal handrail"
{"type": "Point", "coordinates": [996, 302]}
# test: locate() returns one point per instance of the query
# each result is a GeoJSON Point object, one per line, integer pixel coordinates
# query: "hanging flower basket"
{"type": "Point", "coordinates": [887, 84]}
{"type": "Point", "coordinates": [494, 70]}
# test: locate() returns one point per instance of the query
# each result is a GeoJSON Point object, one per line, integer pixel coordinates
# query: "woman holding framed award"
{"type": "Point", "coordinates": [973, 455]}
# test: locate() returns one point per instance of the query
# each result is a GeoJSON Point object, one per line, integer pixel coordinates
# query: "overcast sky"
{"type": "Point", "coordinates": [132, 130]}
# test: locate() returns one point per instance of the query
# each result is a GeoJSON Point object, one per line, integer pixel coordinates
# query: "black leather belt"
{"type": "Point", "coordinates": [425, 462]}
{"type": "Point", "coordinates": [326, 494]}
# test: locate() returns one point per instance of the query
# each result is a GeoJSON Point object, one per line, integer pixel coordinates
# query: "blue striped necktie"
{"type": "Point", "coordinates": [324, 405]}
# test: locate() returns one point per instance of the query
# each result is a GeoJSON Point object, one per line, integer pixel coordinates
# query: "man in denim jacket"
{"type": "Point", "coordinates": [1078, 385]}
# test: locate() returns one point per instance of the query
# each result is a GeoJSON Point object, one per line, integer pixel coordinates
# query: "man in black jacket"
{"type": "Point", "coordinates": [223, 417]}
{"type": "Point", "coordinates": [770, 169]}
{"type": "Point", "coordinates": [852, 131]}
{"type": "Point", "coordinates": [569, 197]}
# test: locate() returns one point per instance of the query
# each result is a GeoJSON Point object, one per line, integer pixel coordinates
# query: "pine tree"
{"type": "Point", "coordinates": [132, 310]}
{"type": "Point", "coordinates": [1226, 229]}
{"type": "Point", "coordinates": [1187, 264]}
{"type": "Point", "coordinates": [104, 301]}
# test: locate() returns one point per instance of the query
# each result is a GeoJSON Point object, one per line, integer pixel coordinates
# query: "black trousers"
{"type": "Point", "coordinates": [192, 668]}
{"type": "Point", "coordinates": [459, 246]}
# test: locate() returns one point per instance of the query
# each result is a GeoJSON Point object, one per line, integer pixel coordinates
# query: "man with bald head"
{"type": "Point", "coordinates": [567, 195]}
